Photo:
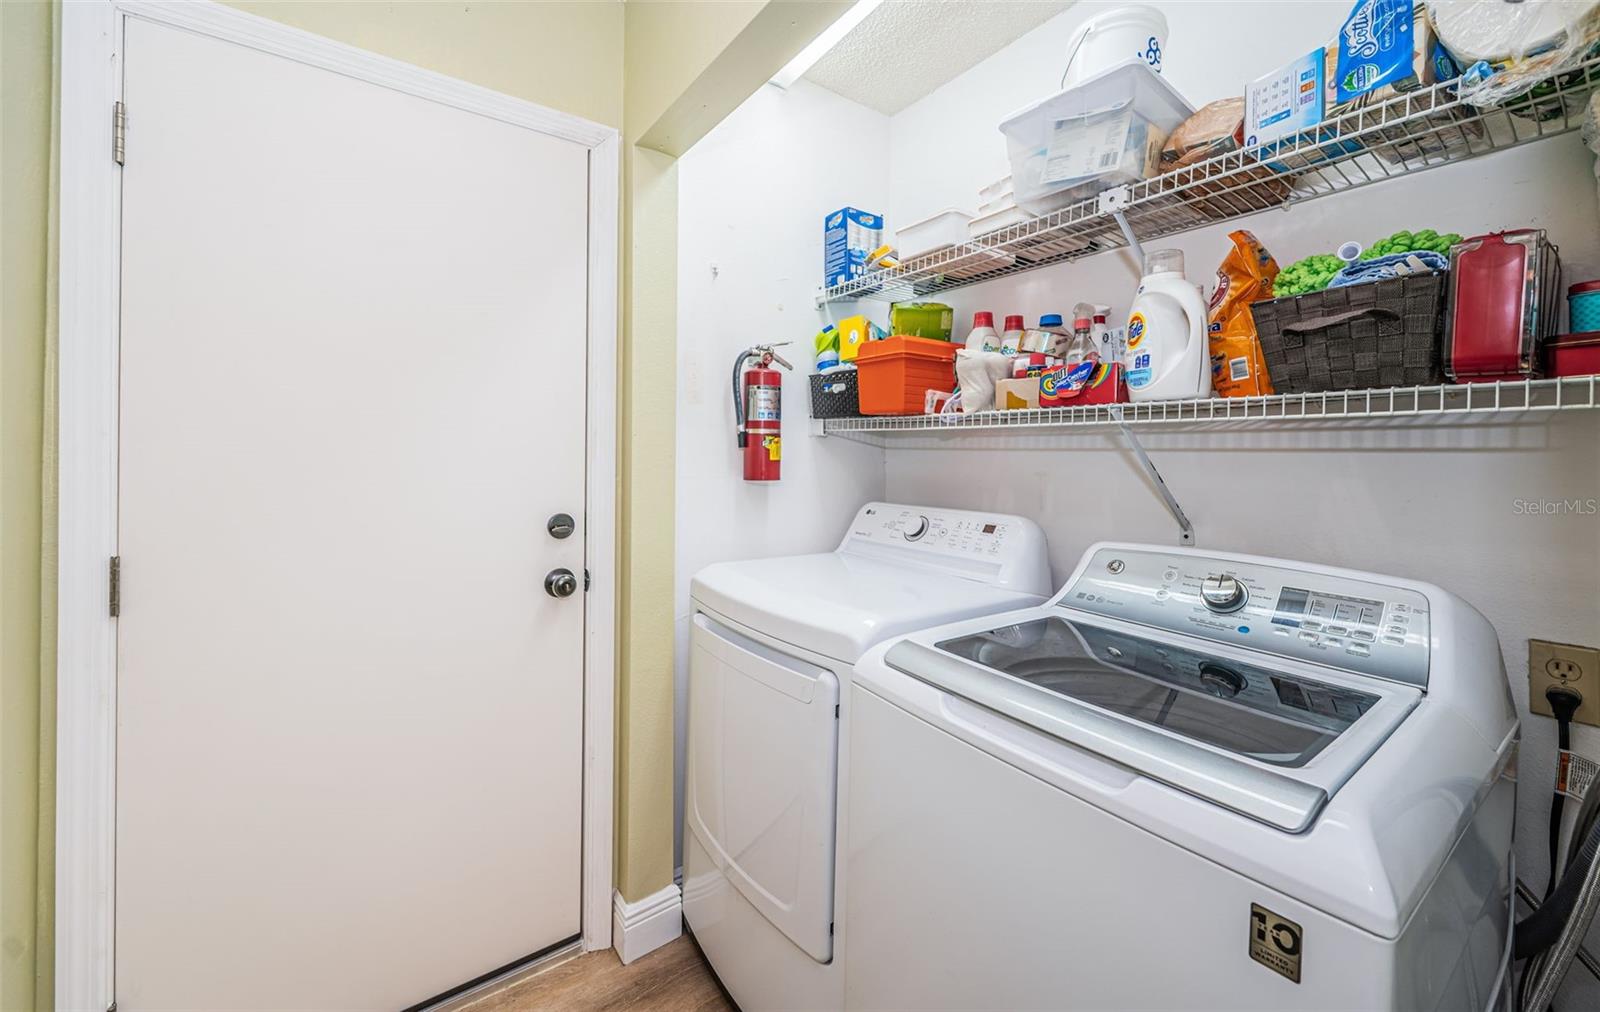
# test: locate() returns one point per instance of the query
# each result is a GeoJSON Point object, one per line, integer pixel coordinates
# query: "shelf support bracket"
{"type": "Point", "coordinates": [1112, 202]}
{"type": "Point", "coordinates": [1185, 528]}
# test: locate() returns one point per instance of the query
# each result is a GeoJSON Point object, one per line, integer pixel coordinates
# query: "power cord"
{"type": "Point", "coordinates": [1564, 702]}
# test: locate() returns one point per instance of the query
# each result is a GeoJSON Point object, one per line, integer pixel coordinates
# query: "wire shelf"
{"type": "Point", "coordinates": [1405, 134]}
{"type": "Point", "coordinates": [1443, 404]}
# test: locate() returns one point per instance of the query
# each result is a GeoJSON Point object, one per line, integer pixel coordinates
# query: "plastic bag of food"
{"type": "Point", "coordinates": [1238, 368]}
{"type": "Point", "coordinates": [1215, 130]}
{"type": "Point", "coordinates": [1507, 50]}
{"type": "Point", "coordinates": [976, 374]}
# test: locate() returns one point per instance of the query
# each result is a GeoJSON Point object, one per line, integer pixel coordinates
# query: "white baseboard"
{"type": "Point", "coordinates": [646, 925]}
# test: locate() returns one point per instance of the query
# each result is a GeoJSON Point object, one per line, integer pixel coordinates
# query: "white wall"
{"type": "Point", "coordinates": [1414, 499]}
{"type": "Point", "coordinates": [751, 199]}
{"type": "Point", "coordinates": [1418, 500]}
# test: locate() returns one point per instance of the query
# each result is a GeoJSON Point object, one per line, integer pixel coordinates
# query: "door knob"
{"type": "Point", "coordinates": [560, 583]}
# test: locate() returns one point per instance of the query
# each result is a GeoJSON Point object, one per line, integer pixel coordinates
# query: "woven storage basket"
{"type": "Point", "coordinates": [1380, 334]}
{"type": "Point", "coordinates": [835, 395]}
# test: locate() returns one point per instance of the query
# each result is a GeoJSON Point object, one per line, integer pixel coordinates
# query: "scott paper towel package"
{"type": "Point", "coordinates": [1384, 46]}
{"type": "Point", "coordinates": [848, 235]}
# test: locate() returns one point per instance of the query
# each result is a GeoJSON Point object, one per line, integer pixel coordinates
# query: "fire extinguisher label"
{"type": "Point", "coordinates": [774, 447]}
{"type": "Point", "coordinates": [765, 404]}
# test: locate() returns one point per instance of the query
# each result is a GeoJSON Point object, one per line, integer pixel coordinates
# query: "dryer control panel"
{"type": "Point", "coordinates": [1364, 626]}
{"type": "Point", "coordinates": [995, 548]}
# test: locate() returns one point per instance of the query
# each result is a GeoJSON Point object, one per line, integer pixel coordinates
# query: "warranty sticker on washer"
{"type": "Point", "coordinates": [1275, 942]}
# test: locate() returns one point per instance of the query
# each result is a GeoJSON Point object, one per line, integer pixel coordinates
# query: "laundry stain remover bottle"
{"type": "Point", "coordinates": [1166, 355]}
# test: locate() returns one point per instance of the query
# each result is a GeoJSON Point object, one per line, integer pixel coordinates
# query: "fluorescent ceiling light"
{"type": "Point", "coordinates": [797, 67]}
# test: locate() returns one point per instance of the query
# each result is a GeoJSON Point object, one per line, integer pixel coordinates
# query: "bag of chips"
{"type": "Point", "coordinates": [1246, 275]}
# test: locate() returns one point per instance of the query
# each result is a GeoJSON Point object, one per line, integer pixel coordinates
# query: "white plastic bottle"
{"type": "Point", "coordinates": [1102, 335]}
{"type": "Point", "coordinates": [1011, 337]}
{"type": "Point", "coordinates": [1166, 357]}
{"type": "Point", "coordinates": [983, 336]}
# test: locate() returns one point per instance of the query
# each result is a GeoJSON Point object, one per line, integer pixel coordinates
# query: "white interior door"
{"type": "Point", "coordinates": [352, 394]}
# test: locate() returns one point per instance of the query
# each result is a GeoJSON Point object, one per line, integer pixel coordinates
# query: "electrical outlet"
{"type": "Point", "coordinates": [1563, 664]}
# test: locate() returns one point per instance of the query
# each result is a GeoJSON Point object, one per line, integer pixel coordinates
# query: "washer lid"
{"type": "Point", "coordinates": [838, 603]}
{"type": "Point", "coordinates": [1266, 743]}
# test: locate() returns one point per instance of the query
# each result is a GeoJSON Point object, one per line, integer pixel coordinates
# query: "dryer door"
{"type": "Point", "coordinates": [762, 777]}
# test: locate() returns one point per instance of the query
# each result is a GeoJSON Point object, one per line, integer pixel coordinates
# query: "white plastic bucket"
{"type": "Point", "coordinates": [1115, 37]}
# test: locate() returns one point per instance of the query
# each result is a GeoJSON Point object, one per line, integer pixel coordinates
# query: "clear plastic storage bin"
{"type": "Point", "coordinates": [1102, 133]}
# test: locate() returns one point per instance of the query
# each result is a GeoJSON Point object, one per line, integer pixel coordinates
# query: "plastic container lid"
{"type": "Point", "coordinates": [1164, 261]}
{"type": "Point", "coordinates": [1582, 287]}
{"type": "Point", "coordinates": [1015, 323]}
{"type": "Point", "coordinates": [983, 320]}
{"type": "Point", "coordinates": [1050, 320]}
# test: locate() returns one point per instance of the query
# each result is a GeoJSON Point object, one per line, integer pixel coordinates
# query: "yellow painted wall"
{"type": "Point", "coordinates": [687, 66]}
{"type": "Point", "coordinates": [25, 111]}
{"type": "Point", "coordinates": [565, 55]}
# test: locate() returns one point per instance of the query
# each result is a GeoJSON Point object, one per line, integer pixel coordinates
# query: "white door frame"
{"type": "Point", "coordinates": [86, 665]}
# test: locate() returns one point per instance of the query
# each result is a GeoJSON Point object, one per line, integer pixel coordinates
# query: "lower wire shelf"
{"type": "Point", "coordinates": [1443, 404]}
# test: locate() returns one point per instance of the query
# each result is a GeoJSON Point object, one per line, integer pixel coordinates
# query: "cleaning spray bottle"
{"type": "Point", "coordinates": [1166, 355]}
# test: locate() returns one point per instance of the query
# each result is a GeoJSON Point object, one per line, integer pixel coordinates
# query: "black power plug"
{"type": "Point", "coordinates": [1564, 701]}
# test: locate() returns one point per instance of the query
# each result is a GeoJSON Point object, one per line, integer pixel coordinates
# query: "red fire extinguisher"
{"type": "Point", "coordinates": [758, 407]}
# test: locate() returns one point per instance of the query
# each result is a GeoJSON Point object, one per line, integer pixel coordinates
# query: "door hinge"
{"type": "Point", "coordinates": [119, 131]}
{"type": "Point", "coordinates": [114, 597]}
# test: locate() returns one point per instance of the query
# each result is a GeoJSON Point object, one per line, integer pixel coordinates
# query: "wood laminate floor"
{"type": "Point", "coordinates": [674, 978]}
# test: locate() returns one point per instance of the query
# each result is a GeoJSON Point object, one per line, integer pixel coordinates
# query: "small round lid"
{"type": "Point", "coordinates": [1014, 323]}
{"type": "Point", "coordinates": [1050, 320]}
{"type": "Point", "coordinates": [983, 320]}
{"type": "Point", "coordinates": [1583, 286]}
{"type": "Point", "coordinates": [1163, 261]}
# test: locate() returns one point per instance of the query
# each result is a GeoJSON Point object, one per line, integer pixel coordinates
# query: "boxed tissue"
{"type": "Point", "coordinates": [1285, 102]}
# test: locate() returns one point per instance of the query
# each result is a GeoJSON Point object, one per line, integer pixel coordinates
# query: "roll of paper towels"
{"type": "Point", "coordinates": [1499, 30]}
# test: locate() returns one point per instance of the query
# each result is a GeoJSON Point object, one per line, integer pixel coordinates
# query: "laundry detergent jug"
{"type": "Point", "coordinates": [1166, 355]}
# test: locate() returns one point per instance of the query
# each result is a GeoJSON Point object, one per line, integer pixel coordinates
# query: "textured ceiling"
{"type": "Point", "coordinates": [907, 48]}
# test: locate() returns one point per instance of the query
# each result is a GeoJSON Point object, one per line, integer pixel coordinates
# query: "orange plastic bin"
{"type": "Point", "coordinates": [895, 374]}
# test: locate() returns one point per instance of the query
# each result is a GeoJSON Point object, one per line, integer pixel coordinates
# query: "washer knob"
{"type": "Point", "coordinates": [1220, 680]}
{"type": "Point", "coordinates": [1223, 594]}
{"type": "Point", "coordinates": [919, 530]}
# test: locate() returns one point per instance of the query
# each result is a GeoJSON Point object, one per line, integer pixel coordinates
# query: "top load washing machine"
{"type": "Point", "coordinates": [1193, 780]}
{"type": "Point", "coordinates": [772, 645]}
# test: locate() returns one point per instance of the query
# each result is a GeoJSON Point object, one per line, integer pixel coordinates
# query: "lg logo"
{"type": "Point", "coordinates": [1275, 942]}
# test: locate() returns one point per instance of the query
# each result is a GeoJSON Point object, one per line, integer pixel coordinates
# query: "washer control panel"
{"type": "Point", "coordinates": [950, 532]}
{"type": "Point", "coordinates": [1367, 627]}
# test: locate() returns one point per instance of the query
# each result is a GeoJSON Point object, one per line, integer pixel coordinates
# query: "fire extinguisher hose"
{"type": "Point", "coordinates": [738, 395]}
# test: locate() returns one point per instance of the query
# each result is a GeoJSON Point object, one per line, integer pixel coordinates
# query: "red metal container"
{"type": "Point", "coordinates": [1504, 303]}
{"type": "Point", "coordinates": [1573, 354]}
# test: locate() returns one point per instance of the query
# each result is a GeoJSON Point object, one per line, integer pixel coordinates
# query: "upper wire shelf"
{"type": "Point", "coordinates": [1407, 133]}
{"type": "Point", "coordinates": [1445, 402]}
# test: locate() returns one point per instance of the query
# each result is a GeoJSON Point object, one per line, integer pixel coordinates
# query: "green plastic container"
{"type": "Point", "coordinates": [932, 320]}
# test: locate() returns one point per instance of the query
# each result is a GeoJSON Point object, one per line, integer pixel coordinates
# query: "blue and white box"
{"type": "Point", "coordinates": [1286, 102]}
{"type": "Point", "coordinates": [848, 235]}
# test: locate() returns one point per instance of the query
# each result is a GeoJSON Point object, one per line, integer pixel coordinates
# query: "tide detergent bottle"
{"type": "Point", "coordinates": [1166, 355]}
